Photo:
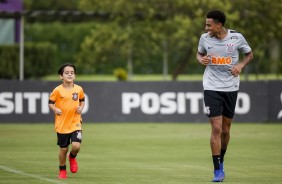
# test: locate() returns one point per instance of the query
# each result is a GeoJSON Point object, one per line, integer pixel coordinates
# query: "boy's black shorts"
{"type": "Point", "coordinates": [219, 103]}
{"type": "Point", "coordinates": [64, 140]}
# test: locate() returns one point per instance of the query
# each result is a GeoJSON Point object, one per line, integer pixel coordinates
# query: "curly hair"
{"type": "Point", "coordinates": [217, 15]}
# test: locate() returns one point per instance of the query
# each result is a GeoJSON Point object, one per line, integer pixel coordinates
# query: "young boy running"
{"type": "Point", "coordinates": [67, 102]}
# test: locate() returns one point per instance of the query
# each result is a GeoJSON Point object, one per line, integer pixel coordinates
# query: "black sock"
{"type": "Point", "coordinates": [72, 156]}
{"type": "Point", "coordinates": [216, 161]}
{"type": "Point", "coordinates": [64, 167]}
{"type": "Point", "coordinates": [222, 153]}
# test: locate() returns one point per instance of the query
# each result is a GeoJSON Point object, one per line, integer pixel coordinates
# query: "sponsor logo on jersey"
{"type": "Point", "coordinates": [221, 60]}
{"type": "Point", "coordinates": [234, 37]}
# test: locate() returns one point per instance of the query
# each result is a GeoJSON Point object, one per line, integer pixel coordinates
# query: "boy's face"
{"type": "Point", "coordinates": [68, 74]}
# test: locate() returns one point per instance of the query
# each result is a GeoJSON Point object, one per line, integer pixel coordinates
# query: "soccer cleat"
{"type": "Point", "coordinates": [63, 174]}
{"type": "Point", "coordinates": [218, 176]}
{"type": "Point", "coordinates": [73, 165]}
{"type": "Point", "coordinates": [222, 169]}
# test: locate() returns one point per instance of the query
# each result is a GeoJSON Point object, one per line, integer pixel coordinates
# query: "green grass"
{"type": "Point", "coordinates": [160, 77]}
{"type": "Point", "coordinates": [142, 153]}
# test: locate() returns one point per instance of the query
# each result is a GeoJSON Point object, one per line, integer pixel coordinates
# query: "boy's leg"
{"type": "Point", "coordinates": [63, 156]}
{"type": "Point", "coordinates": [63, 141]}
{"type": "Point", "coordinates": [73, 153]}
{"type": "Point", "coordinates": [76, 138]}
{"type": "Point", "coordinates": [75, 149]}
{"type": "Point", "coordinates": [62, 163]}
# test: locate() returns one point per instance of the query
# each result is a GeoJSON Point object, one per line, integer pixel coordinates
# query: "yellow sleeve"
{"type": "Point", "coordinates": [81, 95]}
{"type": "Point", "coordinates": [54, 95]}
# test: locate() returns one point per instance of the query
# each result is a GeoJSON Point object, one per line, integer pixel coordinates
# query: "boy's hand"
{"type": "Point", "coordinates": [58, 111]}
{"type": "Point", "coordinates": [79, 110]}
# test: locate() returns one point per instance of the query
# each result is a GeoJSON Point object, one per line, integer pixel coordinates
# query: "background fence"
{"type": "Point", "coordinates": [27, 101]}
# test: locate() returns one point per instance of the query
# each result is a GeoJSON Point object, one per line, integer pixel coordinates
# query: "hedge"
{"type": "Point", "coordinates": [39, 60]}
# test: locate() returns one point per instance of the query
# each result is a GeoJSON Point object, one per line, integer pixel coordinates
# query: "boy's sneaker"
{"type": "Point", "coordinates": [218, 176]}
{"type": "Point", "coordinates": [73, 165]}
{"type": "Point", "coordinates": [63, 174]}
{"type": "Point", "coordinates": [222, 169]}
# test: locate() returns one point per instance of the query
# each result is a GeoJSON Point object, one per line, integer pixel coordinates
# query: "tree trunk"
{"type": "Point", "coordinates": [181, 64]}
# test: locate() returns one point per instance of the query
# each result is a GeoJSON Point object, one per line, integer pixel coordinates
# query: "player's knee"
{"type": "Point", "coordinates": [216, 130]}
{"type": "Point", "coordinates": [64, 150]}
{"type": "Point", "coordinates": [75, 147]}
{"type": "Point", "coordinates": [225, 134]}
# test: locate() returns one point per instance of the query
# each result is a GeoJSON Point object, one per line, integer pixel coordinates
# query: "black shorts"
{"type": "Point", "coordinates": [219, 103]}
{"type": "Point", "coordinates": [64, 140]}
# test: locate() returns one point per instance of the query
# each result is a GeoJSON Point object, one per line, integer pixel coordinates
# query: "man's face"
{"type": "Point", "coordinates": [213, 27]}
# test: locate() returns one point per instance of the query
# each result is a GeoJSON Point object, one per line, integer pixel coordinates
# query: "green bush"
{"type": "Point", "coordinates": [39, 60]}
{"type": "Point", "coordinates": [9, 65]}
{"type": "Point", "coordinates": [120, 74]}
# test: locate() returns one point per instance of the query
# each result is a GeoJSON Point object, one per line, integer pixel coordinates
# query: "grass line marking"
{"type": "Point", "coordinates": [29, 175]}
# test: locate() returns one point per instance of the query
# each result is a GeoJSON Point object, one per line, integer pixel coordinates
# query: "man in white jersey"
{"type": "Point", "coordinates": [218, 50]}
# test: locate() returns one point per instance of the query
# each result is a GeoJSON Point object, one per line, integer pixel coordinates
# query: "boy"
{"type": "Point", "coordinates": [67, 102]}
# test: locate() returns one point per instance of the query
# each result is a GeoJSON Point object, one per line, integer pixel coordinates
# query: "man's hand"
{"type": "Point", "coordinates": [203, 59]}
{"type": "Point", "coordinates": [237, 69]}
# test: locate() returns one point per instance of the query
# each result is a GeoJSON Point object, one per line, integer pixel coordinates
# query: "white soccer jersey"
{"type": "Point", "coordinates": [224, 54]}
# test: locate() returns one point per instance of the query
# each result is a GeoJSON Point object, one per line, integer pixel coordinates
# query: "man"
{"type": "Point", "coordinates": [218, 50]}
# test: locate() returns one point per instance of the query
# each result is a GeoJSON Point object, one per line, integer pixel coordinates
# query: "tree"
{"type": "Point", "coordinates": [152, 23]}
{"type": "Point", "coordinates": [51, 5]}
{"type": "Point", "coordinates": [142, 34]}
{"type": "Point", "coordinates": [261, 23]}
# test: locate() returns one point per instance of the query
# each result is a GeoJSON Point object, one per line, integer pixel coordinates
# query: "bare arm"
{"type": "Point", "coordinates": [80, 107]}
{"type": "Point", "coordinates": [203, 59]}
{"type": "Point", "coordinates": [55, 109]}
{"type": "Point", "coordinates": [237, 69]}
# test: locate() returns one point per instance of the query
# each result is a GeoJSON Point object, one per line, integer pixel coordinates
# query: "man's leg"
{"type": "Point", "coordinates": [225, 136]}
{"type": "Point", "coordinates": [215, 139]}
{"type": "Point", "coordinates": [215, 143]}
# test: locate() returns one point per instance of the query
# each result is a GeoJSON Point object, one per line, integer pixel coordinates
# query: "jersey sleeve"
{"type": "Point", "coordinates": [201, 48]}
{"type": "Point", "coordinates": [53, 96]}
{"type": "Point", "coordinates": [81, 95]}
{"type": "Point", "coordinates": [244, 46]}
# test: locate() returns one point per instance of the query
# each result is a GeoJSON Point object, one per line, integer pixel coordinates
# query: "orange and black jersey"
{"type": "Point", "coordinates": [68, 100]}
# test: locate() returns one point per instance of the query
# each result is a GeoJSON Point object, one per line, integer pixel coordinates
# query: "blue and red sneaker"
{"type": "Point", "coordinates": [218, 176]}
{"type": "Point", "coordinates": [222, 169]}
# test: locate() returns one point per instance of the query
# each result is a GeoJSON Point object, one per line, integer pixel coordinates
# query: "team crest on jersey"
{"type": "Point", "coordinates": [230, 47]}
{"type": "Point", "coordinates": [75, 96]}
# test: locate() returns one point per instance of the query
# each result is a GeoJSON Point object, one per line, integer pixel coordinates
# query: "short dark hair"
{"type": "Point", "coordinates": [217, 15]}
{"type": "Point", "coordinates": [61, 69]}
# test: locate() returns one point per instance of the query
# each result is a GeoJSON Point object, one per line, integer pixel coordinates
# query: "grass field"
{"type": "Point", "coordinates": [142, 153]}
